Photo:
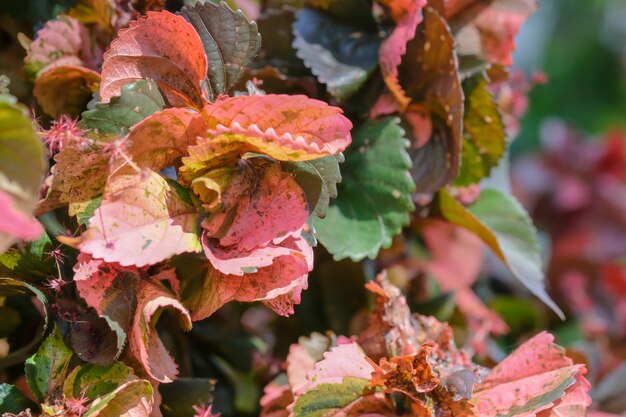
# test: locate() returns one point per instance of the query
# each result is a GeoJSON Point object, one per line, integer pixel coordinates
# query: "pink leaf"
{"type": "Point", "coordinates": [275, 208]}
{"type": "Point", "coordinates": [394, 47]}
{"type": "Point", "coordinates": [144, 339]}
{"type": "Point", "coordinates": [141, 221]}
{"type": "Point", "coordinates": [132, 299]}
{"type": "Point", "coordinates": [282, 126]}
{"type": "Point", "coordinates": [279, 285]}
{"type": "Point", "coordinates": [536, 378]}
{"type": "Point", "coordinates": [347, 360]}
{"type": "Point", "coordinates": [161, 46]}
{"type": "Point", "coordinates": [62, 41]}
{"type": "Point", "coordinates": [160, 139]}
{"type": "Point", "coordinates": [15, 223]}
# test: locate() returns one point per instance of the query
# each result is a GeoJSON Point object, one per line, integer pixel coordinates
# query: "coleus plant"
{"type": "Point", "coordinates": [193, 164]}
{"type": "Point", "coordinates": [403, 364]}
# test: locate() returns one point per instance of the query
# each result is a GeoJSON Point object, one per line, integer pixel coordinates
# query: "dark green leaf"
{"type": "Point", "coordinates": [505, 227]}
{"type": "Point", "coordinates": [137, 101]}
{"type": "Point", "coordinates": [13, 401]}
{"type": "Point", "coordinates": [329, 399]}
{"type": "Point", "coordinates": [9, 288]}
{"type": "Point", "coordinates": [28, 261]}
{"type": "Point", "coordinates": [484, 137]}
{"type": "Point", "coordinates": [340, 54]}
{"type": "Point", "coordinates": [46, 370]}
{"type": "Point", "coordinates": [180, 396]}
{"type": "Point", "coordinates": [374, 199]}
{"type": "Point", "coordinates": [230, 42]}
{"type": "Point", "coordinates": [318, 178]}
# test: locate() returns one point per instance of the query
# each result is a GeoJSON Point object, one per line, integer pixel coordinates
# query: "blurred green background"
{"type": "Point", "coordinates": [581, 46]}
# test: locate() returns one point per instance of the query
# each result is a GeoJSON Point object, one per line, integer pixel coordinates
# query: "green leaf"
{"type": "Point", "coordinates": [137, 101]}
{"type": "Point", "coordinates": [22, 160]}
{"type": "Point", "coordinates": [29, 260]}
{"type": "Point", "coordinates": [505, 227]}
{"type": "Point", "coordinates": [374, 200]}
{"type": "Point", "coordinates": [230, 42]}
{"type": "Point", "coordinates": [46, 370]}
{"type": "Point", "coordinates": [339, 53]}
{"type": "Point", "coordinates": [13, 401]}
{"type": "Point", "coordinates": [10, 287]}
{"type": "Point", "coordinates": [84, 211]}
{"type": "Point", "coordinates": [318, 178]}
{"type": "Point", "coordinates": [484, 137]}
{"type": "Point", "coordinates": [179, 397]}
{"type": "Point", "coordinates": [325, 399]}
{"type": "Point", "coordinates": [133, 399]}
{"type": "Point", "coordinates": [95, 381]}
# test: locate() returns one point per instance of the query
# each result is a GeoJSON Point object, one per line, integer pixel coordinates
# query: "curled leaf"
{"type": "Point", "coordinates": [144, 339]}
{"type": "Point", "coordinates": [160, 46]}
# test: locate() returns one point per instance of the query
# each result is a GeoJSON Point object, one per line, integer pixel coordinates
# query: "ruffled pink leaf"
{"type": "Point", "coordinates": [144, 339]}
{"type": "Point", "coordinates": [62, 41]}
{"type": "Point", "coordinates": [394, 47]}
{"type": "Point", "coordinates": [278, 285]}
{"type": "Point", "coordinates": [15, 223]}
{"type": "Point", "coordinates": [161, 46]}
{"type": "Point", "coordinates": [535, 378]}
{"type": "Point", "coordinates": [275, 208]}
{"type": "Point", "coordinates": [141, 221]}
{"type": "Point", "coordinates": [284, 127]}
{"type": "Point", "coordinates": [347, 360]}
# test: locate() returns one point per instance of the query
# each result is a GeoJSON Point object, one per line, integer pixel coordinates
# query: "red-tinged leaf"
{"type": "Point", "coordinates": [131, 302]}
{"type": "Point", "coordinates": [394, 47]}
{"type": "Point", "coordinates": [61, 42]}
{"type": "Point", "coordinates": [456, 254]}
{"type": "Point", "coordinates": [429, 76]}
{"type": "Point", "coordinates": [343, 361]}
{"type": "Point", "coordinates": [161, 46]}
{"type": "Point", "coordinates": [160, 140]}
{"type": "Point", "coordinates": [144, 339]}
{"type": "Point", "coordinates": [14, 222]}
{"type": "Point", "coordinates": [141, 221]}
{"type": "Point", "coordinates": [65, 89]}
{"type": "Point", "coordinates": [302, 358]}
{"type": "Point", "coordinates": [275, 208]}
{"type": "Point", "coordinates": [400, 8]}
{"type": "Point", "coordinates": [275, 400]}
{"type": "Point", "coordinates": [531, 380]}
{"type": "Point", "coordinates": [278, 285]}
{"type": "Point", "coordinates": [575, 403]}
{"type": "Point", "coordinates": [287, 128]}
{"type": "Point", "coordinates": [233, 262]}
{"type": "Point", "coordinates": [497, 27]}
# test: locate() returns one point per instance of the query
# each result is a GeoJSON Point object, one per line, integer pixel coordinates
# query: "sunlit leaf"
{"type": "Point", "coordinates": [374, 196]}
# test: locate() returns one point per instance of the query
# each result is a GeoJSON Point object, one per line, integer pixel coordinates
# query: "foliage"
{"type": "Point", "coordinates": [202, 161]}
